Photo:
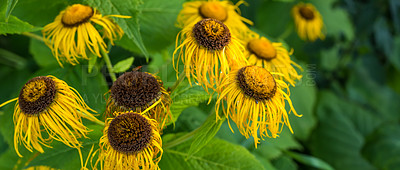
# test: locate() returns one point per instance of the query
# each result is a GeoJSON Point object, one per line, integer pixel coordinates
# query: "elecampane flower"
{"type": "Point", "coordinates": [130, 141]}
{"type": "Point", "coordinates": [223, 11]}
{"type": "Point", "coordinates": [255, 101]}
{"type": "Point", "coordinates": [48, 104]}
{"type": "Point", "coordinates": [308, 22]}
{"type": "Point", "coordinates": [73, 32]}
{"type": "Point", "coordinates": [207, 49]}
{"type": "Point", "coordinates": [140, 91]}
{"type": "Point", "coordinates": [272, 56]}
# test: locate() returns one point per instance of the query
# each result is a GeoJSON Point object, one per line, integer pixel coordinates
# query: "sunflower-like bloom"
{"type": "Point", "coordinates": [139, 92]}
{"type": "Point", "coordinates": [130, 141]}
{"type": "Point", "coordinates": [308, 21]}
{"type": "Point", "coordinates": [255, 101]}
{"type": "Point", "coordinates": [48, 102]}
{"type": "Point", "coordinates": [72, 32]}
{"type": "Point", "coordinates": [208, 48]}
{"type": "Point", "coordinates": [223, 11]}
{"type": "Point", "coordinates": [272, 56]}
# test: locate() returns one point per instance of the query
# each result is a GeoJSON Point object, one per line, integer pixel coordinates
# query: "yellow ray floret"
{"type": "Point", "coordinates": [308, 22]}
{"type": "Point", "coordinates": [208, 50]}
{"type": "Point", "coordinates": [272, 56]}
{"type": "Point", "coordinates": [255, 101]}
{"type": "Point", "coordinates": [48, 104]}
{"type": "Point", "coordinates": [73, 33]}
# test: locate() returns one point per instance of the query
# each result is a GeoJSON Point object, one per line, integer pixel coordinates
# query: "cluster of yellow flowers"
{"type": "Point", "coordinates": [250, 73]}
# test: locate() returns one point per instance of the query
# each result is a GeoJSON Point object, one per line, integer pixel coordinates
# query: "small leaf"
{"type": "Point", "coordinates": [217, 154]}
{"type": "Point", "coordinates": [123, 65]}
{"type": "Point", "coordinates": [205, 133]}
{"type": "Point", "coordinates": [310, 160]}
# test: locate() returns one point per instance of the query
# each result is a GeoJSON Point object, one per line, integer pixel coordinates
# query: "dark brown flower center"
{"type": "Point", "coordinates": [129, 133]}
{"type": "Point", "coordinates": [211, 34]}
{"type": "Point", "coordinates": [306, 13]}
{"type": "Point", "coordinates": [76, 14]}
{"type": "Point", "coordinates": [256, 82]}
{"type": "Point", "coordinates": [36, 95]}
{"type": "Point", "coordinates": [135, 90]}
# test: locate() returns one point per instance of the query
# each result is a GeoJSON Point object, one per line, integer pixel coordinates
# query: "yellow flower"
{"type": "Point", "coordinates": [208, 48]}
{"type": "Point", "coordinates": [48, 102]}
{"type": "Point", "coordinates": [255, 101]}
{"type": "Point", "coordinates": [272, 56]}
{"type": "Point", "coordinates": [130, 141]}
{"type": "Point", "coordinates": [72, 32]}
{"type": "Point", "coordinates": [140, 92]}
{"type": "Point", "coordinates": [308, 21]}
{"type": "Point", "coordinates": [223, 11]}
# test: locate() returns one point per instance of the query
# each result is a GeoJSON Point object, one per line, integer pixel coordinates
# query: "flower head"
{"type": "Point", "coordinates": [271, 56]}
{"type": "Point", "coordinates": [130, 141]}
{"type": "Point", "coordinates": [73, 32]}
{"type": "Point", "coordinates": [308, 22]}
{"type": "Point", "coordinates": [208, 48]}
{"type": "Point", "coordinates": [223, 11]}
{"type": "Point", "coordinates": [140, 91]}
{"type": "Point", "coordinates": [46, 103]}
{"type": "Point", "coordinates": [255, 101]}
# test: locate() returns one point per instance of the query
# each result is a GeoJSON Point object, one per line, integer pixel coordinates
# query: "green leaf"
{"type": "Point", "coordinates": [272, 148]}
{"type": "Point", "coordinates": [123, 65]}
{"type": "Point", "coordinates": [205, 133]}
{"type": "Point", "coordinates": [15, 26]}
{"type": "Point", "coordinates": [394, 56]}
{"type": "Point", "coordinates": [336, 139]}
{"type": "Point", "coordinates": [10, 6]}
{"type": "Point", "coordinates": [64, 157]}
{"type": "Point", "coordinates": [336, 20]}
{"type": "Point", "coordinates": [217, 154]}
{"type": "Point", "coordinates": [304, 97]}
{"type": "Point", "coordinates": [130, 26]}
{"type": "Point", "coordinates": [284, 162]}
{"type": "Point", "coordinates": [264, 161]}
{"type": "Point", "coordinates": [265, 16]}
{"type": "Point", "coordinates": [185, 96]}
{"type": "Point", "coordinates": [383, 147]}
{"type": "Point", "coordinates": [309, 160]}
{"type": "Point", "coordinates": [157, 22]}
{"type": "Point", "coordinates": [42, 54]}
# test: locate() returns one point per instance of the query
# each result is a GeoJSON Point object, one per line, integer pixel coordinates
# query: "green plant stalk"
{"type": "Point", "coordinates": [34, 36]}
{"type": "Point", "coordinates": [177, 82]}
{"type": "Point", "coordinates": [109, 65]}
{"type": "Point", "coordinates": [181, 139]}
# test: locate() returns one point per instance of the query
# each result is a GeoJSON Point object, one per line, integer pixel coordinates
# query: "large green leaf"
{"type": "Point", "coordinates": [15, 26]}
{"type": "Point", "coordinates": [217, 154]}
{"type": "Point", "coordinates": [383, 148]}
{"type": "Point", "coordinates": [39, 15]}
{"type": "Point", "coordinates": [336, 139]}
{"type": "Point", "coordinates": [130, 26]}
{"type": "Point", "coordinates": [310, 160]}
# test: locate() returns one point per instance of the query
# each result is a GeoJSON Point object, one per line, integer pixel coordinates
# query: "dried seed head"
{"type": "Point", "coordinates": [256, 82]}
{"type": "Point", "coordinates": [36, 95]}
{"type": "Point", "coordinates": [129, 133]}
{"type": "Point", "coordinates": [211, 34]}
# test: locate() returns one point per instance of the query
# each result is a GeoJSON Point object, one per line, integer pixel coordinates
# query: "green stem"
{"type": "Point", "coordinates": [181, 139]}
{"type": "Point", "coordinates": [109, 65]}
{"type": "Point", "coordinates": [34, 36]}
{"type": "Point", "coordinates": [177, 82]}
{"type": "Point", "coordinates": [287, 32]}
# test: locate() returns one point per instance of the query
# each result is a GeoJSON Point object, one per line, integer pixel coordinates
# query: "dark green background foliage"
{"type": "Point", "coordinates": [349, 94]}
